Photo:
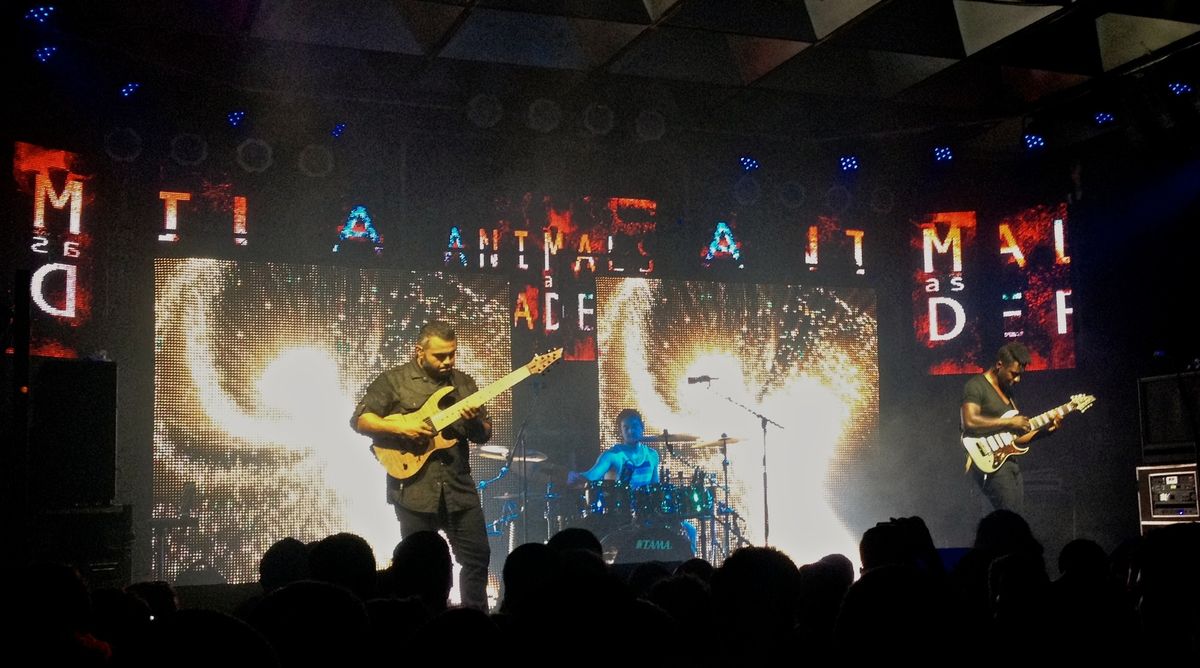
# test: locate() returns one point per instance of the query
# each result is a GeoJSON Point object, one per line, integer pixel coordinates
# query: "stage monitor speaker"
{"type": "Point", "coordinates": [1170, 413]}
{"type": "Point", "coordinates": [72, 431]}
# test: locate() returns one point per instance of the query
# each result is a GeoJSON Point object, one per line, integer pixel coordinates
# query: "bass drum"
{"type": "Point", "coordinates": [636, 543]}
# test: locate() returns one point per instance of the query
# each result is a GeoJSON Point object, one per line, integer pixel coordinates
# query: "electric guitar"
{"type": "Point", "coordinates": [405, 460]}
{"type": "Point", "coordinates": [989, 452]}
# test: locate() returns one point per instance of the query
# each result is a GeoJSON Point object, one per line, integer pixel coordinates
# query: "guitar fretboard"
{"type": "Point", "coordinates": [449, 415]}
{"type": "Point", "coordinates": [1039, 421]}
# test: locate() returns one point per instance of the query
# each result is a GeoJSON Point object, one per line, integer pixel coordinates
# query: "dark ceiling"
{"type": "Point", "coordinates": [804, 70]}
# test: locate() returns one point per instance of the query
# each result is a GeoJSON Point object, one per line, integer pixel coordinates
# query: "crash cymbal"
{"type": "Point", "coordinates": [716, 443]}
{"type": "Point", "coordinates": [500, 453]}
{"type": "Point", "coordinates": [516, 495]}
{"type": "Point", "coordinates": [669, 437]}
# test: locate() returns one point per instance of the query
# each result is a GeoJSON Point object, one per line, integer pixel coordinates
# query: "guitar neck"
{"type": "Point", "coordinates": [447, 416]}
{"type": "Point", "coordinates": [1038, 421]}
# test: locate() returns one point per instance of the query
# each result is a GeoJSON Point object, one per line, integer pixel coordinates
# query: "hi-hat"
{"type": "Point", "coordinates": [500, 453]}
{"type": "Point", "coordinates": [718, 443]}
{"type": "Point", "coordinates": [669, 438]}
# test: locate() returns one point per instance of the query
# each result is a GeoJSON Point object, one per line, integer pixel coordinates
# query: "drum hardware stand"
{"type": "Point", "coordinates": [508, 515]}
{"type": "Point", "coordinates": [764, 421]}
{"type": "Point", "coordinates": [723, 515]}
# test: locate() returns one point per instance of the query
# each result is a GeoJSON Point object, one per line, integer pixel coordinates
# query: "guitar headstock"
{"type": "Point", "coordinates": [1082, 402]}
{"type": "Point", "coordinates": [540, 363]}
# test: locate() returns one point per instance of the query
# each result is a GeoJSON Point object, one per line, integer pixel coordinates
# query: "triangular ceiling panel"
{"type": "Point", "coordinates": [681, 54]}
{"type": "Point", "coordinates": [1126, 38]}
{"type": "Point", "coordinates": [531, 40]}
{"type": "Point", "coordinates": [894, 72]}
{"type": "Point", "coordinates": [982, 24]}
{"type": "Point", "coordinates": [373, 25]}
{"type": "Point", "coordinates": [829, 15]}
{"type": "Point", "coordinates": [755, 56]}
{"type": "Point", "coordinates": [627, 11]}
{"type": "Point", "coordinates": [781, 20]}
{"type": "Point", "coordinates": [1032, 85]}
{"type": "Point", "coordinates": [429, 22]}
{"type": "Point", "coordinates": [601, 40]}
{"type": "Point", "coordinates": [925, 27]}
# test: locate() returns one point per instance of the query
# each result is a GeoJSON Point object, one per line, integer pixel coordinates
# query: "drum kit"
{"type": "Point", "coordinates": [680, 516]}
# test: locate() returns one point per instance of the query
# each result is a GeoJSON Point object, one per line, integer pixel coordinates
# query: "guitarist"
{"type": "Point", "coordinates": [986, 398]}
{"type": "Point", "coordinates": [441, 496]}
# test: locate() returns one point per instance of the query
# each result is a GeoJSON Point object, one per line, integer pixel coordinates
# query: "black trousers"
{"type": "Point", "coordinates": [468, 543]}
{"type": "Point", "coordinates": [1005, 488]}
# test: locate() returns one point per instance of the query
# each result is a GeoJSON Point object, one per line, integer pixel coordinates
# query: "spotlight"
{"type": "Point", "coordinates": [1034, 142]}
{"type": "Point", "coordinates": [1104, 118]}
{"type": "Point", "coordinates": [1180, 87]}
{"type": "Point", "coordinates": [942, 154]}
{"type": "Point", "coordinates": [749, 164]}
{"type": "Point", "coordinates": [235, 118]}
{"type": "Point", "coordinates": [45, 53]}
{"type": "Point", "coordinates": [39, 14]}
{"type": "Point", "coordinates": [849, 163]}
{"type": "Point", "coordinates": [338, 130]}
{"type": "Point", "coordinates": [130, 88]}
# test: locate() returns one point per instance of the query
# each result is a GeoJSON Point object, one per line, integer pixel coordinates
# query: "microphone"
{"type": "Point", "coordinates": [692, 380]}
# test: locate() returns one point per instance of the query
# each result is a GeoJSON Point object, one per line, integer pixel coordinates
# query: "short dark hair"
{"type": "Point", "coordinates": [1013, 352]}
{"type": "Point", "coordinates": [625, 414]}
{"type": "Point", "coordinates": [439, 328]}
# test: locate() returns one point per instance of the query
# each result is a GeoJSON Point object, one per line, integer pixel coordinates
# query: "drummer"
{"type": "Point", "coordinates": [631, 461]}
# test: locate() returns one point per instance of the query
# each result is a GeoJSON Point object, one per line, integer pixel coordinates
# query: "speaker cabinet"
{"type": "Point", "coordinates": [97, 541]}
{"type": "Point", "coordinates": [1170, 412]}
{"type": "Point", "coordinates": [72, 431]}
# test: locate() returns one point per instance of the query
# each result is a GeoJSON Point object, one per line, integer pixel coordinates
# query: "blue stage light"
{"type": "Point", "coordinates": [1104, 118]}
{"type": "Point", "coordinates": [942, 154]}
{"type": "Point", "coordinates": [235, 118]}
{"type": "Point", "coordinates": [130, 88]}
{"type": "Point", "coordinates": [849, 163]}
{"type": "Point", "coordinates": [39, 14]}
{"type": "Point", "coordinates": [749, 164]}
{"type": "Point", "coordinates": [44, 53]}
{"type": "Point", "coordinates": [1034, 142]}
{"type": "Point", "coordinates": [338, 130]}
{"type": "Point", "coordinates": [1180, 87]}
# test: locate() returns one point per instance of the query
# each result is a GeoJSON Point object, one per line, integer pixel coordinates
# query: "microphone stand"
{"type": "Point", "coordinates": [506, 516]}
{"type": "Point", "coordinates": [764, 421]}
{"type": "Point", "coordinates": [520, 443]}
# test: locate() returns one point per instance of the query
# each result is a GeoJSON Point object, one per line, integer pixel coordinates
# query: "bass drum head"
{"type": "Point", "coordinates": [637, 543]}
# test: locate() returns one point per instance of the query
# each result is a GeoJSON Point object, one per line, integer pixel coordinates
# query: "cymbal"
{"type": "Point", "coordinates": [500, 453]}
{"type": "Point", "coordinates": [543, 472]}
{"type": "Point", "coordinates": [716, 443]}
{"type": "Point", "coordinates": [516, 495]}
{"type": "Point", "coordinates": [670, 437]}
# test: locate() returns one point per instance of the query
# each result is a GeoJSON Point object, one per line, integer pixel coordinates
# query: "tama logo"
{"type": "Point", "coordinates": [652, 544]}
